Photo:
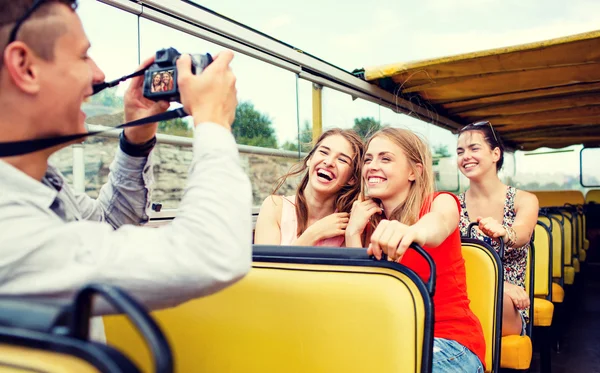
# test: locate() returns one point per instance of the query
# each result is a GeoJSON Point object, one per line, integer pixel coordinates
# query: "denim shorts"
{"type": "Point", "coordinates": [451, 356]}
{"type": "Point", "coordinates": [523, 324]}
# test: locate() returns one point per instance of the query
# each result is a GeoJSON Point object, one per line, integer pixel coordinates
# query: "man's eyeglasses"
{"type": "Point", "coordinates": [33, 8]}
{"type": "Point", "coordinates": [485, 123]}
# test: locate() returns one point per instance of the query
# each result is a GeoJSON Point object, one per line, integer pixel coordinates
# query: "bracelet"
{"type": "Point", "coordinates": [511, 236]}
{"type": "Point", "coordinates": [136, 150]}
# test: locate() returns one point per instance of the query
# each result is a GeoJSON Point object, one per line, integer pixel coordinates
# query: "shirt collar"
{"type": "Point", "coordinates": [18, 185]}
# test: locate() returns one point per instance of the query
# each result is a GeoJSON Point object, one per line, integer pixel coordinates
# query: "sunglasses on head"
{"type": "Point", "coordinates": [485, 123]}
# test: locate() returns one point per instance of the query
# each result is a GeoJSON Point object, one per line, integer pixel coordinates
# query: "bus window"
{"type": "Point", "coordinates": [115, 50]}
{"type": "Point", "coordinates": [548, 169]}
{"type": "Point", "coordinates": [590, 172]}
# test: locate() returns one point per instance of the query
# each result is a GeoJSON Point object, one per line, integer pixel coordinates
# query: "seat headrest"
{"type": "Point", "coordinates": [39, 315]}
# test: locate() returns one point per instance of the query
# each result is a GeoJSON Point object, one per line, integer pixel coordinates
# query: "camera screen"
{"type": "Point", "coordinates": [162, 81]}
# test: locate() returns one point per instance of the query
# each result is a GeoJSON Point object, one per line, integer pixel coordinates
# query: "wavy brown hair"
{"type": "Point", "coordinates": [421, 189]}
{"type": "Point", "coordinates": [346, 196]}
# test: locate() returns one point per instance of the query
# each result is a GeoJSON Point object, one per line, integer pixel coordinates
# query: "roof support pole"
{"type": "Point", "coordinates": [317, 112]}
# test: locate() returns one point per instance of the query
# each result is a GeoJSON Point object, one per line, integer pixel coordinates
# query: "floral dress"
{"type": "Point", "coordinates": [515, 259]}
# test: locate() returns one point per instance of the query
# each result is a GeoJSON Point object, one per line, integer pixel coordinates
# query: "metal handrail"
{"type": "Point", "coordinates": [162, 138]}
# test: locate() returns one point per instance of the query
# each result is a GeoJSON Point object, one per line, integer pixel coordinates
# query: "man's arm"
{"type": "Point", "coordinates": [125, 198]}
{"type": "Point", "coordinates": [206, 248]}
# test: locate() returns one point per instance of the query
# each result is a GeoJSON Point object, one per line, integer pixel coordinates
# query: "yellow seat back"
{"type": "Point", "coordinates": [484, 287]}
{"type": "Point", "coordinates": [20, 359]}
{"type": "Point", "coordinates": [542, 251]}
{"type": "Point", "coordinates": [592, 196]}
{"type": "Point", "coordinates": [580, 231]}
{"type": "Point", "coordinates": [570, 234]}
{"type": "Point", "coordinates": [298, 317]}
{"type": "Point", "coordinates": [550, 198]}
{"type": "Point", "coordinates": [566, 238]}
{"type": "Point", "coordinates": [557, 251]}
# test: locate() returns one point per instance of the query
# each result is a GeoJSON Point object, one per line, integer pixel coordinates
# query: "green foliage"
{"type": "Point", "coordinates": [175, 127]}
{"type": "Point", "coordinates": [441, 151]}
{"type": "Point", "coordinates": [366, 126]}
{"type": "Point", "coordinates": [305, 140]}
{"type": "Point", "coordinates": [251, 127]}
{"type": "Point", "coordinates": [107, 98]}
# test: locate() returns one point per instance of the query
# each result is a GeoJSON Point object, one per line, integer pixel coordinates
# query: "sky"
{"type": "Point", "coordinates": [350, 35]}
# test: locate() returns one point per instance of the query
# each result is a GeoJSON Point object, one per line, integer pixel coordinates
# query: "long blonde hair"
{"type": "Point", "coordinates": [346, 196]}
{"type": "Point", "coordinates": [421, 189]}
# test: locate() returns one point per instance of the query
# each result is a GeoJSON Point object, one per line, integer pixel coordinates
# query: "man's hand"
{"type": "Point", "coordinates": [210, 96]}
{"type": "Point", "coordinates": [137, 107]}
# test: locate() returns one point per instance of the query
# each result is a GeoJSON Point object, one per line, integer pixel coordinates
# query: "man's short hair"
{"type": "Point", "coordinates": [40, 36]}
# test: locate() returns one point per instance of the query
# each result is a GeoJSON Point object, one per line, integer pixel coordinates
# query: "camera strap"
{"type": "Point", "coordinates": [14, 148]}
{"type": "Point", "coordinates": [100, 86]}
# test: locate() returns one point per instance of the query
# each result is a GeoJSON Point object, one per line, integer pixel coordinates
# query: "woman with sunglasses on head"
{"type": "Point", "coordinates": [317, 215]}
{"type": "Point", "coordinates": [503, 213]}
{"type": "Point", "coordinates": [398, 207]}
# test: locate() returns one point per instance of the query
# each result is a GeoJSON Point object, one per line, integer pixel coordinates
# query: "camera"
{"type": "Point", "coordinates": [160, 79]}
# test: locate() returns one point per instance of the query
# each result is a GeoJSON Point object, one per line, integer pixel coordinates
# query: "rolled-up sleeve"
{"type": "Point", "coordinates": [206, 248]}
{"type": "Point", "coordinates": [125, 198]}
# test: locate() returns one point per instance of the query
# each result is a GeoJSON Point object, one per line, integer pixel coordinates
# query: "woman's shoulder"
{"type": "Point", "coordinates": [525, 199]}
{"type": "Point", "coordinates": [445, 197]}
{"type": "Point", "coordinates": [272, 206]}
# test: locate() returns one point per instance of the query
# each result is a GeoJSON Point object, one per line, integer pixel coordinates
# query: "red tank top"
{"type": "Point", "coordinates": [454, 319]}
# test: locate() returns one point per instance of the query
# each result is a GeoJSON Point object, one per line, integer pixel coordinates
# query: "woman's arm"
{"type": "Point", "coordinates": [267, 230]}
{"type": "Point", "coordinates": [435, 226]}
{"type": "Point", "coordinates": [394, 238]}
{"type": "Point", "coordinates": [526, 208]}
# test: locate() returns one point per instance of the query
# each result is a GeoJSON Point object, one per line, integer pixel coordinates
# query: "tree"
{"type": "Point", "coordinates": [305, 140]}
{"type": "Point", "coordinates": [252, 127]}
{"type": "Point", "coordinates": [175, 127]}
{"type": "Point", "coordinates": [441, 150]}
{"type": "Point", "coordinates": [107, 98]}
{"type": "Point", "coordinates": [366, 126]}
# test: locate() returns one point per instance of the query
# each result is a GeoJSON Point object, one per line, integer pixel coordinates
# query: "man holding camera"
{"type": "Point", "coordinates": [52, 240]}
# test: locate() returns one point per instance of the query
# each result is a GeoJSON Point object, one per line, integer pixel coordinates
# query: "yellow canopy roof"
{"type": "Point", "coordinates": [539, 94]}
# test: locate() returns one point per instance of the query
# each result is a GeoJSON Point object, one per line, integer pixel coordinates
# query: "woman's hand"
{"type": "Point", "coordinates": [360, 215]}
{"type": "Point", "coordinates": [491, 227]}
{"type": "Point", "coordinates": [393, 239]}
{"type": "Point", "coordinates": [330, 226]}
{"type": "Point", "coordinates": [517, 294]}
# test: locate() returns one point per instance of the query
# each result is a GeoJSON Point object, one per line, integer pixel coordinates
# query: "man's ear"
{"type": "Point", "coordinates": [22, 66]}
{"type": "Point", "coordinates": [419, 169]}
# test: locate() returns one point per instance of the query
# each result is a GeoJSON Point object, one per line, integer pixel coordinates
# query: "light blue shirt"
{"type": "Point", "coordinates": [53, 241]}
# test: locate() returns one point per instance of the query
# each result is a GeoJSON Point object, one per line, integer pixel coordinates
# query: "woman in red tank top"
{"type": "Point", "coordinates": [402, 208]}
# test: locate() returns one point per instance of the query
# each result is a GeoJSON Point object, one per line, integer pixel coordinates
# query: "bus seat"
{"type": "Point", "coordinates": [592, 195]}
{"type": "Point", "coordinates": [568, 270]}
{"type": "Point", "coordinates": [47, 336]}
{"type": "Point", "coordinates": [517, 352]}
{"type": "Point", "coordinates": [569, 275]}
{"type": "Point", "coordinates": [558, 293]}
{"type": "Point", "coordinates": [542, 241]}
{"type": "Point", "coordinates": [300, 311]}
{"type": "Point", "coordinates": [557, 252]}
{"type": "Point", "coordinates": [543, 309]}
{"type": "Point", "coordinates": [549, 198]}
{"type": "Point", "coordinates": [485, 290]}
{"type": "Point", "coordinates": [16, 359]}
